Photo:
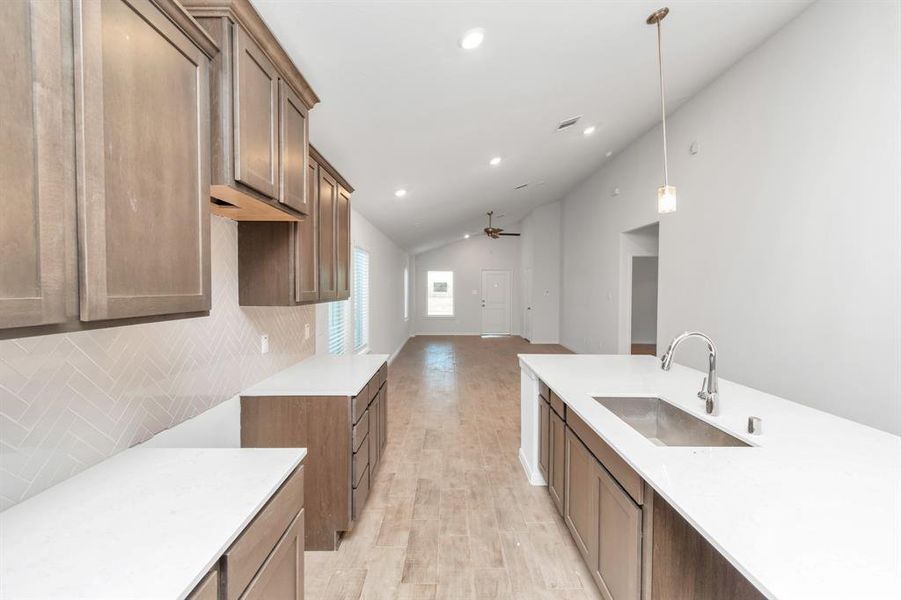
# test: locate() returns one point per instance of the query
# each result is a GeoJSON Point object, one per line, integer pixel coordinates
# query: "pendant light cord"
{"type": "Point", "coordinates": [662, 105]}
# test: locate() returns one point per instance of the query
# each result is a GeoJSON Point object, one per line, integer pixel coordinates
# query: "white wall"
{"type": "Point", "coordinates": [540, 260]}
{"type": "Point", "coordinates": [467, 259]}
{"type": "Point", "coordinates": [785, 247]}
{"type": "Point", "coordinates": [388, 331]}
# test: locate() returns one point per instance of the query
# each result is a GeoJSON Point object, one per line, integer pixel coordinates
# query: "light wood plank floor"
{"type": "Point", "coordinates": [451, 514]}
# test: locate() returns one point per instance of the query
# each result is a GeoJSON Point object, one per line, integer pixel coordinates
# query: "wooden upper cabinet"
{"type": "Point", "coordinates": [307, 242]}
{"type": "Point", "coordinates": [142, 140]}
{"type": "Point", "coordinates": [37, 165]}
{"type": "Point", "coordinates": [256, 102]}
{"type": "Point", "coordinates": [342, 244]}
{"type": "Point", "coordinates": [328, 198]}
{"type": "Point", "coordinates": [293, 150]}
{"type": "Point", "coordinates": [260, 104]}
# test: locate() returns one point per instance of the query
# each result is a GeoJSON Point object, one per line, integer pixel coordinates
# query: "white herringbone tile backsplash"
{"type": "Point", "coordinates": [68, 401]}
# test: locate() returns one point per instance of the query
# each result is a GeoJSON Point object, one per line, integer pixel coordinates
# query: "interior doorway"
{"type": "Point", "coordinates": [496, 303]}
{"type": "Point", "coordinates": [644, 305]}
{"type": "Point", "coordinates": [638, 293]}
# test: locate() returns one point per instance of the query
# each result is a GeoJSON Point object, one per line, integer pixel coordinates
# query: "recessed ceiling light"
{"type": "Point", "coordinates": [495, 161]}
{"type": "Point", "coordinates": [588, 130]}
{"type": "Point", "coordinates": [609, 153]}
{"type": "Point", "coordinates": [400, 193]}
{"type": "Point", "coordinates": [466, 236]}
{"type": "Point", "coordinates": [472, 39]}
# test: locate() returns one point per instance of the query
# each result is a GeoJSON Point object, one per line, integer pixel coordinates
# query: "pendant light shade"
{"type": "Point", "coordinates": [666, 194]}
{"type": "Point", "coordinates": [666, 199]}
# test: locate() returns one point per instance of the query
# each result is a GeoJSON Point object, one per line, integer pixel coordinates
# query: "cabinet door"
{"type": "Point", "coordinates": [543, 437]}
{"type": "Point", "coordinates": [142, 131]}
{"type": "Point", "coordinates": [581, 506]}
{"type": "Point", "coordinates": [619, 546]}
{"type": "Point", "coordinates": [557, 460]}
{"type": "Point", "coordinates": [383, 419]}
{"type": "Point", "coordinates": [256, 116]}
{"type": "Point", "coordinates": [293, 150]}
{"type": "Point", "coordinates": [375, 433]}
{"type": "Point", "coordinates": [281, 576]}
{"type": "Point", "coordinates": [342, 244]}
{"type": "Point", "coordinates": [36, 164]}
{"type": "Point", "coordinates": [208, 588]}
{"type": "Point", "coordinates": [328, 198]}
{"type": "Point", "coordinates": [306, 258]}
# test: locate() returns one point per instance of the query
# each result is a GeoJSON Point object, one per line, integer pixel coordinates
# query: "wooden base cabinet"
{"type": "Point", "coordinates": [636, 546]}
{"type": "Point", "coordinates": [345, 438]}
{"type": "Point", "coordinates": [265, 562]}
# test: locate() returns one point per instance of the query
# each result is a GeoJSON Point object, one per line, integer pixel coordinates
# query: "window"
{"type": "Point", "coordinates": [361, 299]}
{"type": "Point", "coordinates": [440, 294]}
{"type": "Point", "coordinates": [337, 328]}
{"type": "Point", "coordinates": [406, 293]}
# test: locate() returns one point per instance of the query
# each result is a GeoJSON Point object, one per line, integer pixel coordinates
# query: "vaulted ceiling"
{"type": "Point", "coordinates": [405, 107]}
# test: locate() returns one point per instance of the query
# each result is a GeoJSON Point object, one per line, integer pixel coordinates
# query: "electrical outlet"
{"type": "Point", "coordinates": [264, 344]}
{"type": "Point", "coordinates": [306, 331]}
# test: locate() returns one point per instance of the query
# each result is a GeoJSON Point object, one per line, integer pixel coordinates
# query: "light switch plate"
{"type": "Point", "coordinates": [306, 331]}
{"type": "Point", "coordinates": [264, 344]}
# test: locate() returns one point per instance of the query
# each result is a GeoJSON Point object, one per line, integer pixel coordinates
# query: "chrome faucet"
{"type": "Point", "coordinates": [709, 389]}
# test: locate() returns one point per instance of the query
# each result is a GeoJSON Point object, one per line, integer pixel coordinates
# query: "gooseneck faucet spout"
{"type": "Point", "coordinates": [710, 388]}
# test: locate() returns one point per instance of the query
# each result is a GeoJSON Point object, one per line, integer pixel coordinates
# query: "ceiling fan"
{"type": "Point", "coordinates": [494, 232]}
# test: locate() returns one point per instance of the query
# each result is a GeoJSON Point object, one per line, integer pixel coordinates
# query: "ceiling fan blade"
{"type": "Point", "coordinates": [511, 234]}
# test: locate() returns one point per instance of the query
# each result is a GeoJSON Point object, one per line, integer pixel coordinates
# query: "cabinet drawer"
{"type": "Point", "coordinates": [621, 471]}
{"type": "Point", "coordinates": [543, 390]}
{"type": "Point", "coordinates": [361, 461]}
{"type": "Point", "coordinates": [360, 430]}
{"type": "Point", "coordinates": [281, 576]}
{"type": "Point", "coordinates": [208, 588]}
{"type": "Point", "coordinates": [556, 403]}
{"type": "Point", "coordinates": [374, 386]}
{"type": "Point", "coordinates": [383, 374]}
{"type": "Point", "coordinates": [360, 402]}
{"type": "Point", "coordinates": [360, 494]}
{"type": "Point", "coordinates": [243, 559]}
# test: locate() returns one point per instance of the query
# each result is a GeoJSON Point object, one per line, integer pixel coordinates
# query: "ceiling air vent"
{"type": "Point", "coordinates": [519, 187]}
{"type": "Point", "coordinates": [566, 123]}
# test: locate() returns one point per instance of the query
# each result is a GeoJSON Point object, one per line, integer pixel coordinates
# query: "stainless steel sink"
{"type": "Point", "coordinates": [665, 425]}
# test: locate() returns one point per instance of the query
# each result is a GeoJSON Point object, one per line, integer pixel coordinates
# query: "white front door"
{"type": "Point", "coordinates": [495, 302]}
{"type": "Point", "coordinates": [527, 310]}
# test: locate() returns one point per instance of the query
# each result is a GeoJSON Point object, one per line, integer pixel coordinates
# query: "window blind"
{"type": "Point", "coordinates": [337, 330]}
{"type": "Point", "coordinates": [361, 299]}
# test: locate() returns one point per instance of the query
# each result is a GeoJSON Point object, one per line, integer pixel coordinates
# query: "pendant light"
{"type": "Point", "coordinates": [666, 194]}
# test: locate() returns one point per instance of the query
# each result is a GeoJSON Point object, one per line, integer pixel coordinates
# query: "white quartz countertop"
{"type": "Point", "coordinates": [813, 511]}
{"type": "Point", "coordinates": [147, 523]}
{"type": "Point", "coordinates": [321, 375]}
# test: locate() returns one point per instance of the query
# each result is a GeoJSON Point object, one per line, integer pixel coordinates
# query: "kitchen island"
{"type": "Point", "coordinates": [811, 508]}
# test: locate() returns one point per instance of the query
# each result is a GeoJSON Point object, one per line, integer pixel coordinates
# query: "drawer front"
{"type": "Point", "coordinates": [360, 402]}
{"type": "Point", "coordinates": [361, 461]}
{"type": "Point", "coordinates": [208, 588]}
{"type": "Point", "coordinates": [557, 404]}
{"type": "Point", "coordinates": [360, 494]}
{"type": "Point", "coordinates": [374, 386]}
{"type": "Point", "coordinates": [621, 471]}
{"type": "Point", "coordinates": [243, 559]}
{"type": "Point", "coordinates": [360, 430]}
{"type": "Point", "coordinates": [281, 576]}
{"type": "Point", "coordinates": [544, 390]}
{"type": "Point", "coordinates": [383, 374]}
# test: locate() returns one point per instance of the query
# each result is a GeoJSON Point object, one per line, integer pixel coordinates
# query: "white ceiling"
{"type": "Point", "coordinates": [403, 106]}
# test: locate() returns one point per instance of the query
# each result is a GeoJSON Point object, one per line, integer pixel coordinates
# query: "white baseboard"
{"type": "Point", "coordinates": [547, 342]}
{"type": "Point", "coordinates": [399, 348]}
{"type": "Point", "coordinates": [534, 477]}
